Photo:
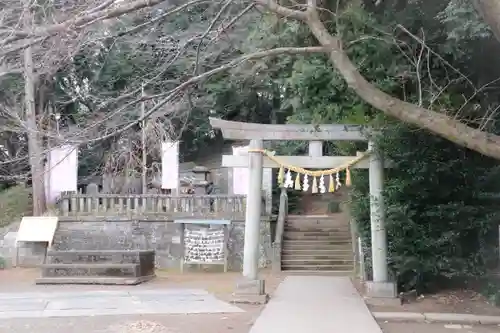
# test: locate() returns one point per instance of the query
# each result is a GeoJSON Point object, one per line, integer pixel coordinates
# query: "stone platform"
{"type": "Point", "coordinates": [110, 302]}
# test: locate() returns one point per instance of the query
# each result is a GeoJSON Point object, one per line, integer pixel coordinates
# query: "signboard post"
{"type": "Point", "coordinates": [36, 229]}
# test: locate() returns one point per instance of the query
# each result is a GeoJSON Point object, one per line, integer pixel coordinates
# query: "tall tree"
{"type": "Point", "coordinates": [94, 25]}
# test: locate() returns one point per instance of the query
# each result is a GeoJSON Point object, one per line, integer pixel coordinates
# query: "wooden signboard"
{"type": "Point", "coordinates": [36, 229]}
{"type": "Point", "coordinates": [204, 244]}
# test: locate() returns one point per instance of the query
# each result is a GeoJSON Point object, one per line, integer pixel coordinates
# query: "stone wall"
{"type": "Point", "coordinates": [163, 237]}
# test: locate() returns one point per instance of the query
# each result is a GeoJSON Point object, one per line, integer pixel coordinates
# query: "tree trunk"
{"type": "Point", "coordinates": [34, 147]}
{"type": "Point", "coordinates": [490, 11]}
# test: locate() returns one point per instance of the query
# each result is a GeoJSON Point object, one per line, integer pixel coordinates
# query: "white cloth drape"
{"type": "Point", "coordinates": [170, 165]}
{"type": "Point", "coordinates": [61, 172]}
{"type": "Point", "coordinates": [240, 175]}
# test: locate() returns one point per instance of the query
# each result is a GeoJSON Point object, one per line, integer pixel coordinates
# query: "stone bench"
{"type": "Point", "coordinates": [98, 267]}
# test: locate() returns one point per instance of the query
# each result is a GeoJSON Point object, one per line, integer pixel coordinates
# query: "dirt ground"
{"type": "Point", "coordinates": [220, 284]}
{"type": "Point", "coordinates": [451, 301]}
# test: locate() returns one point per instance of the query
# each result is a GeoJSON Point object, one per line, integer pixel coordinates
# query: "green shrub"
{"type": "Point", "coordinates": [441, 226]}
{"type": "Point", "coordinates": [15, 202]}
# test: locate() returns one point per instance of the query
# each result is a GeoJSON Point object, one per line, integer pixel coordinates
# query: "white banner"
{"type": "Point", "coordinates": [61, 172]}
{"type": "Point", "coordinates": [170, 165]}
{"type": "Point", "coordinates": [240, 175]}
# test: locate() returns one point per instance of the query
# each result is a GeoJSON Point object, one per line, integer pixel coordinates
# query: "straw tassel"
{"type": "Point", "coordinates": [297, 182]}
{"type": "Point", "coordinates": [315, 185]}
{"type": "Point", "coordinates": [331, 185]}
{"type": "Point", "coordinates": [348, 177]}
{"type": "Point", "coordinates": [281, 176]}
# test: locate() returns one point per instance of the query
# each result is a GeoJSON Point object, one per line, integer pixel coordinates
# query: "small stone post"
{"type": "Point", "coordinates": [93, 191]}
{"type": "Point", "coordinates": [381, 286]}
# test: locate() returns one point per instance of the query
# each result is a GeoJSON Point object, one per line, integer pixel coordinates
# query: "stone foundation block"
{"type": "Point", "coordinates": [250, 292]}
{"type": "Point", "coordinates": [380, 289]}
{"type": "Point", "coordinates": [250, 299]}
{"type": "Point", "coordinates": [254, 287]}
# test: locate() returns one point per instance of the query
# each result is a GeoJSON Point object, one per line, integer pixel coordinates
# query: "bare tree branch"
{"type": "Point", "coordinates": [282, 11]}
{"type": "Point", "coordinates": [81, 21]}
{"type": "Point", "coordinates": [205, 34]}
{"type": "Point", "coordinates": [204, 76]}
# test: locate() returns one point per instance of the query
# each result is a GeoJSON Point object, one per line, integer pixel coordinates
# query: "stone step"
{"type": "Point", "coordinates": [96, 252]}
{"type": "Point", "coordinates": [287, 261]}
{"type": "Point", "coordinates": [344, 256]}
{"type": "Point", "coordinates": [100, 256]}
{"type": "Point", "coordinates": [90, 265]}
{"type": "Point", "coordinates": [332, 217]}
{"type": "Point", "coordinates": [316, 217]}
{"type": "Point", "coordinates": [328, 230]}
{"type": "Point", "coordinates": [305, 218]}
{"type": "Point", "coordinates": [317, 224]}
{"type": "Point", "coordinates": [316, 242]}
{"type": "Point", "coordinates": [325, 272]}
{"type": "Point", "coordinates": [94, 269]}
{"type": "Point", "coordinates": [316, 247]}
{"type": "Point", "coordinates": [294, 267]}
{"type": "Point", "coordinates": [318, 230]}
{"type": "Point", "coordinates": [312, 237]}
{"type": "Point", "coordinates": [314, 251]}
{"type": "Point", "coordinates": [100, 280]}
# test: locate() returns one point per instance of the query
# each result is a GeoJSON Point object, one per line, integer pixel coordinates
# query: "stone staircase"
{"type": "Point", "coordinates": [317, 245]}
{"type": "Point", "coordinates": [118, 267]}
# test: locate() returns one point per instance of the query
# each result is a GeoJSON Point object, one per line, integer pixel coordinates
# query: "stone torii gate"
{"type": "Point", "coordinates": [255, 161]}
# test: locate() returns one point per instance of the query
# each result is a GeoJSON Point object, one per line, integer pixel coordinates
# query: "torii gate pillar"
{"type": "Point", "coordinates": [380, 286]}
{"type": "Point", "coordinates": [251, 289]}
{"type": "Point", "coordinates": [253, 212]}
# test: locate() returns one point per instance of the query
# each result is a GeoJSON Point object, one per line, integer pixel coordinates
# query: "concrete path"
{"type": "Point", "coordinates": [116, 302]}
{"type": "Point", "coordinates": [323, 304]}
